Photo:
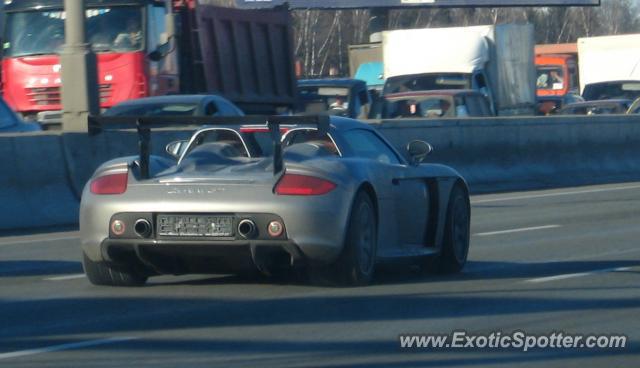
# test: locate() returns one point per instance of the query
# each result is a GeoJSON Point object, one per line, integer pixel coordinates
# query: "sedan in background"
{"type": "Point", "coordinates": [176, 105]}
{"type": "Point", "coordinates": [436, 104]}
{"type": "Point", "coordinates": [10, 122]}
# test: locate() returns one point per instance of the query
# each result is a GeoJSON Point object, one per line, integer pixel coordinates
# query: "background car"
{"type": "Point", "coordinates": [176, 105]}
{"type": "Point", "coordinates": [617, 106]}
{"type": "Point", "coordinates": [334, 96]}
{"type": "Point", "coordinates": [337, 200]}
{"type": "Point", "coordinates": [10, 122]}
{"type": "Point", "coordinates": [436, 104]}
{"type": "Point", "coordinates": [550, 105]}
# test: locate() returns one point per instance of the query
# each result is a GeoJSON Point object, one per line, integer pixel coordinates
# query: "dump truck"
{"type": "Point", "coordinates": [148, 48]}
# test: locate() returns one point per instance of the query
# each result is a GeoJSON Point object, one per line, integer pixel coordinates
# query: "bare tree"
{"type": "Point", "coordinates": [322, 37]}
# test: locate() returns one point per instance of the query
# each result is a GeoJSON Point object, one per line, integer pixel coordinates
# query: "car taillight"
{"type": "Point", "coordinates": [303, 185]}
{"type": "Point", "coordinates": [110, 184]}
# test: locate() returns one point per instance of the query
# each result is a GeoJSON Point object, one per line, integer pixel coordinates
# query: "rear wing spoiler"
{"type": "Point", "coordinates": [145, 124]}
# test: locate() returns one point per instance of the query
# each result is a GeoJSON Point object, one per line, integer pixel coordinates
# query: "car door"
{"type": "Point", "coordinates": [404, 197]}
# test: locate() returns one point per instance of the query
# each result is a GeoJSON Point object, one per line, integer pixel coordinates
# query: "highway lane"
{"type": "Point", "coordinates": [560, 260]}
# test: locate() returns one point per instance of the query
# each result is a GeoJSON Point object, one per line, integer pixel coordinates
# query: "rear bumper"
{"type": "Point", "coordinates": [179, 257]}
{"type": "Point", "coordinates": [314, 226]}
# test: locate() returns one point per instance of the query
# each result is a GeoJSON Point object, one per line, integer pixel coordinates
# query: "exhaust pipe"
{"type": "Point", "coordinates": [142, 228]}
{"type": "Point", "coordinates": [247, 229]}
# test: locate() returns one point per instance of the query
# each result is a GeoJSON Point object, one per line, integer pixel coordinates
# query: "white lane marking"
{"type": "Point", "coordinates": [74, 345]}
{"type": "Point", "coordinates": [556, 194]}
{"type": "Point", "coordinates": [517, 230]}
{"type": "Point", "coordinates": [574, 275]}
{"type": "Point", "coordinates": [67, 277]}
{"type": "Point", "coordinates": [43, 240]}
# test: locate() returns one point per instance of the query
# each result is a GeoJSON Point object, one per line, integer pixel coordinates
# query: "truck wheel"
{"type": "Point", "coordinates": [101, 273]}
{"type": "Point", "coordinates": [455, 247]}
{"type": "Point", "coordinates": [356, 264]}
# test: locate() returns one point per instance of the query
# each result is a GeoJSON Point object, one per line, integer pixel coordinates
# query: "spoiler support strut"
{"type": "Point", "coordinates": [144, 143]}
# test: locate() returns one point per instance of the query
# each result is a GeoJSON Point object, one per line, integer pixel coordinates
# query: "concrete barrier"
{"type": "Point", "coordinates": [501, 154]}
{"type": "Point", "coordinates": [43, 174]}
{"type": "Point", "coordinates": [84, 153]}
{"type": "Point", "coordinates": [34, 185]}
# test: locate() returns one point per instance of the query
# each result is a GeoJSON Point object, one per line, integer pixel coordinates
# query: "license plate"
{"type": "Point", "coordinates": [195, 225]}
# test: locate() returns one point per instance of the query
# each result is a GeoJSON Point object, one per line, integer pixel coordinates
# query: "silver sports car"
{"type": "Point", "coordinates": [324, 194]}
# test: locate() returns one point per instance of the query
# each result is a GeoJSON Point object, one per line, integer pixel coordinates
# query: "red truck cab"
{"type": "Point", "coordinates": [122, 34]}
{"type": "Point", "coordinates": [557, 75]}
{"type": "Point", "coordinates": [557, 69]}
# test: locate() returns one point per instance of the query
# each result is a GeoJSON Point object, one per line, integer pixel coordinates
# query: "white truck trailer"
{"type": "Point", "coordinates": [497, 60]}
{"type": "Point", "coordinates": [609, 67]}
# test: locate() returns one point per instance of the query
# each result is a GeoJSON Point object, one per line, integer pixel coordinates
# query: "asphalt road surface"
{"type": "Point", "coordinates": [563, 260]}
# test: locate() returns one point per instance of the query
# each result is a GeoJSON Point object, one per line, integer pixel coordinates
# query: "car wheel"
{"type": "Point", "coordinates": [101, 273]}
{"type": "Point", "coordinates": [455, 247]}
{"type": "Point", "coordinates": [356, 264]}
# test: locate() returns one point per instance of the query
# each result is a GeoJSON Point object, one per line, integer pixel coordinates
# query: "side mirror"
{"type": "Point", "coordinates": [176, 149]}
{"type": "Point", "coordinates": [418, 151]}
{"type": "Point", "coordinates": [161, 51]}
{"type": "Point", "coordinates": [155, 55]}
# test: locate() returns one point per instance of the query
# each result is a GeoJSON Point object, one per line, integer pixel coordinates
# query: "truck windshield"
{"type": "Point", "coordinates": [109, 29]}
{"type": "Point", "coordinates": [612, 90]}
{"type": "Point", "coordinates": [427, 82]}
{"type": "Point", "coordinates": [318, 100]}
{"type": "Point", "coordinates": [418, 107]}
{"type": "Point", "coordinates": [550, 77]}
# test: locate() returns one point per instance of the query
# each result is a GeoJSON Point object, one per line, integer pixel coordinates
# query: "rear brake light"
{"type": "Point", "coordinates": [303, 185]}
{"type": "Point", "coordinates": [110, 184]}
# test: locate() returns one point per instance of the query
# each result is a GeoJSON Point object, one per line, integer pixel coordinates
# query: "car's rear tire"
{"type": "Point", "coordinates": [356, 264]}
{"type": "Point", "coordinates": [101, 273]}
{"type": "Point", "coordinates": [455, 247]}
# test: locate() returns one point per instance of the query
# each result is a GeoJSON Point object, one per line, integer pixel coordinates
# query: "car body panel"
{"type": "Point", "coordinates": [10, 122]}
{"type": "Point", "coordinates": [411, 200]}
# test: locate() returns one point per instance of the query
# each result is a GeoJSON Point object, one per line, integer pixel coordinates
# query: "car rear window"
{"type": "Point", "coordinates": [299, 136]}
{"type": "Point", "coordinates": [223, 136]}
{"type": "Point", "coordinates": [157, 109]}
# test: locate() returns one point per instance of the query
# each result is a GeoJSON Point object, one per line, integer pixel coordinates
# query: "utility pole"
{"type": "Point", "coordinates": [378, 22]}
{"type": "Point", "coordinates": [79, 71]}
